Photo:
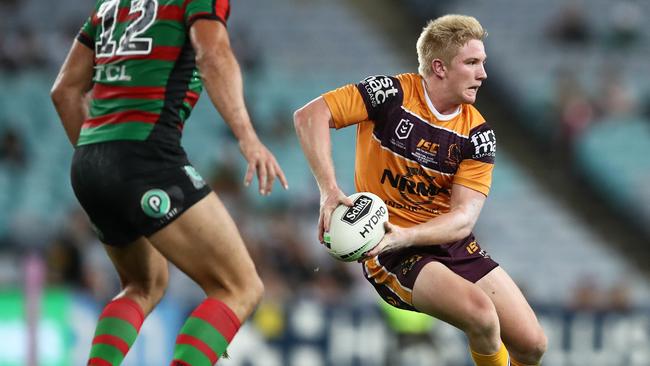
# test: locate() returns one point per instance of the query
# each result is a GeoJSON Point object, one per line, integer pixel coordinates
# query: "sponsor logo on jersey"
{"type": "Point", "coordinates": [111, 73]}
{"type": "Point", "coordinates": [155, 203]}
{"type": "Point", "coordinates": [403, 129]}
{"type": "Point", "coordinates": [359, 210]}
{"type": "Point", "coordinates": [428, 146]}
{"type": "Point", "coordinates": [379, 89]}
{"type": "Point", "coordinates": [195, 177]}
{"type": "Point", "coordinates": [485, 144]}
{"type": "Point", "coordinates": [425, 191]}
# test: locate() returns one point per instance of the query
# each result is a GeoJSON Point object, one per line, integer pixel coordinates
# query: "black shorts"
{"type": "Point", "coordinates": [393, 274]}
{"type": "Point", "coordinates": [131, 189]}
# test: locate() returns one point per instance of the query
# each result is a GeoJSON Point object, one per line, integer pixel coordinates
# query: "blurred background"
{"type": "Point", "coordinates": [568, 95]}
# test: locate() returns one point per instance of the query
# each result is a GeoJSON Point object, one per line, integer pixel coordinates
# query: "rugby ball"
{"type": "Point", "coordinates": [356, 229]}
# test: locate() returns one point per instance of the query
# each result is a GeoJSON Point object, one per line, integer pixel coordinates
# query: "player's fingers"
{"type": "Point", "coordinates": [249, 174]}
{"type": "Point", "coordinates": [388, 227]}
{"type": "Point", "coordinates": [261, 177]}
{"type": "Point", "coordinates": [270, 177]}
{"type": "Point", "coordinates": [374, 251]}
{"type": "Point", "coordinates": [281, 176]}
{"type": "Point", "coordinates": [327, 214]}
{"type": "Point", "coordinates": [346, 201]}
{"type": "Point", "coordinates": [320, 228]}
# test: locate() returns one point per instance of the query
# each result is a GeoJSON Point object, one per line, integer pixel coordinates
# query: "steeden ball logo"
{"type": "Point", "coordinates": [155, 203]}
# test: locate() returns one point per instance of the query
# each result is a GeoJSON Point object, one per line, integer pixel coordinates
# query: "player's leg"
{"type": "Point", "coordinates": [143, 275]}
{"type": "Point", "coordinates": [520, 330]}
{"type": "Point", "coordinates": [443, 294]}
{"type": "Point", "coordinates": [205, 244]}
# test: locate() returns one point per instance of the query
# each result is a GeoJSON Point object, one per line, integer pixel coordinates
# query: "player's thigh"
{"type": "Point", "coordinates": [142, 270]}
{"type": "Point", "coordinates": [205, 243]}
{"type": "Point", "coordinates": [447, 296]}
{"type": "Point", "coordinates": [520, 329]}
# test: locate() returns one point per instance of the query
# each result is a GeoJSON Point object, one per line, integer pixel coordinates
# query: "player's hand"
{"type": "Point", "coordinates": [329, 200]}
{"type": "Point", "coordinates": [395, 238]}
{"type": "Point", "coordinates": [261, 161]}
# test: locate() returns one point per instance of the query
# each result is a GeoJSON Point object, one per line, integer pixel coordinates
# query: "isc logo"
{"type": "Point", "coordinates": [428, 146]}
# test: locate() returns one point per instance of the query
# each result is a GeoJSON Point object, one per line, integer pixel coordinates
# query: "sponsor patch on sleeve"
{"type": "Point", "coordinates": [483, 143]}
{"type": "Point", "coordinates": [379, 91]}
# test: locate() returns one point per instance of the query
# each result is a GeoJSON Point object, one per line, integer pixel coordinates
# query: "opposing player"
{"type": "Point", "coordinates": [123, 94]}
{"type": "Point", "coordinates": [429, 154]}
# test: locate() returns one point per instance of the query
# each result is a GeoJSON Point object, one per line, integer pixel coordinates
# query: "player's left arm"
{"type": "Point", "coordinates": [458, 223]}
{"type": "Point", "coordinates": [222, 79]}
{"type": "Point", "coordinates": [71, 87]}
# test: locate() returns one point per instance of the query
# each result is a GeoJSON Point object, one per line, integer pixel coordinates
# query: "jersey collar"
{"type": "Point", "coordinates": [439, 116]}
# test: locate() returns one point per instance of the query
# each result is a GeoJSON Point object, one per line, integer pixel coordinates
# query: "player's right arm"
{"type": "Point", "coordinates": [313, 122]}
{"type": "Point", "coordinates": [71, 87]}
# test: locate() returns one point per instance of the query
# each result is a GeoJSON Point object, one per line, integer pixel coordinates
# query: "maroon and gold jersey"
{"type": "Point", "coordinates": [145, 81]}
{"type": "Point", "coordinates": [409, 154]}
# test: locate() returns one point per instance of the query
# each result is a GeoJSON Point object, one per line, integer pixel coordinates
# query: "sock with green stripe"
{"type": "Point", "coordinates": [118, 326]}
{"type": "Point", "coordinates": [205, 335]}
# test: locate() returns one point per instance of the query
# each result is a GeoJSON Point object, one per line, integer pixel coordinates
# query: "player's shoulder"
{"type": "Point", "coordinates": [473, 117]}
{"type": "Point", "coordinates": [409, 80]}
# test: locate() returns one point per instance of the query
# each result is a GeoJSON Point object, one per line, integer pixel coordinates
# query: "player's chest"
{"type": "Point", "coordinates": [415, 139]}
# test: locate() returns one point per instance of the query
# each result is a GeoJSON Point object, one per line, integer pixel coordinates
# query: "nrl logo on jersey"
{"type": "Point", "coordinates": [403, 129]}
{"type": "Point", "coordinates": [379, 89]}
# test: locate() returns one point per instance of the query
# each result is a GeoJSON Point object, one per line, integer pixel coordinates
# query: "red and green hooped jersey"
{"type": "Point", "coordinates": [145, 79]}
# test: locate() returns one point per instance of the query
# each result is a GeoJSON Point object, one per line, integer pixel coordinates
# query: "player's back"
{"type": "Point", "coordinates": [145, 78]}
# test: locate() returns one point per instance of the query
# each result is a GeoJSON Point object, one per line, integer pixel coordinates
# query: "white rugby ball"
{"type": "Point", "coordinates": [357, 229]}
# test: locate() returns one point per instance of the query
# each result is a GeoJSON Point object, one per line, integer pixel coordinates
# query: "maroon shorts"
{"type": "Point", "coordinates": [393, 274]}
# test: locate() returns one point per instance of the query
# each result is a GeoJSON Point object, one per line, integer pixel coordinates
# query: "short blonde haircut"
{"type": "Point", "coordinates": [442, 38]}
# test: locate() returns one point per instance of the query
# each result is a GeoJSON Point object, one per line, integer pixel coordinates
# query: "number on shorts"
{"type": "Point", "coordinates": [129, 43]}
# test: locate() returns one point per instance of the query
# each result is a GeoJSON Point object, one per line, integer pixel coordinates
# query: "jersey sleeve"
{"type": "Point", "coordinates": [88, 31]}
{"type": "Point", "coordinates": [218, 10]}
{"type": "Point", "coordinates": [366, 100]}
{"type": "Point", "coordinates": [346, 106]}
{"type": "Point", "coordinates": [475, 170]}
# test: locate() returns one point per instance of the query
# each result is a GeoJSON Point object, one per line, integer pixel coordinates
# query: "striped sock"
{"type": "Point", "coordinates": [116, 331]}
{"type": "Point", "coordinates": [205, 335]}
{"type": "Point", "coordinates": [500, 358]}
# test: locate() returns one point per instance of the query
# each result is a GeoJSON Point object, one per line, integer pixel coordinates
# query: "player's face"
{"type": "Point", "coordinates": [467, 71]}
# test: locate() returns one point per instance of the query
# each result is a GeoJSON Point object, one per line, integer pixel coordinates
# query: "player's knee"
{"type": "Point", "coordinates": [482, 319]}
{"type": "Point", "coordinates": [257, 290]}
{"type": "Point", "coordinates": [250, 293]}
{"type": "Point", "coordinates": [150, 291]}
{"type": "Point", "coordinates": [532, 346]}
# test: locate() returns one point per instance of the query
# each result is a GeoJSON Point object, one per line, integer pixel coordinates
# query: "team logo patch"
{"type": "Point", "coordinates": [454, 156]}
{"type": "Point", "coordinates": [403, 129]}
{"type": "Point", "coordinates": [155, 203]}
{"type": "Point", "coordinates": [195, 177]}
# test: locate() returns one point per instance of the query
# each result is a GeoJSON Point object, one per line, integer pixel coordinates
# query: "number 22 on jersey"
{"type": "Point", "coordinates": [142, 13]}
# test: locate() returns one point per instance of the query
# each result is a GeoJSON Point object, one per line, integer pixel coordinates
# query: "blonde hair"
{"type": "Point", "coordinates": [442, 38]}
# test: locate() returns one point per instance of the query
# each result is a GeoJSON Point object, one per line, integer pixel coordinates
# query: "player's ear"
{"type": "Point", "coordinates": [438, 68]}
